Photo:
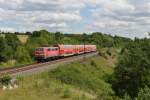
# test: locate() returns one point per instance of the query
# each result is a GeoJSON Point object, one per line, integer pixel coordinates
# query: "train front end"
{"type": "Point", "coordinates": [40, 54]}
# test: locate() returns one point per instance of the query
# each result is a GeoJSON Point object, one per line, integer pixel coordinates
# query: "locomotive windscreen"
{"type": "Point", "coordinates": [39, 49]}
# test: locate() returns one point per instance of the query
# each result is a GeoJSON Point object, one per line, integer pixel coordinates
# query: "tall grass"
{"type": "Point", "coordinates": [84, 80]}
{"type": "Point", "coordinates": [88, 76]}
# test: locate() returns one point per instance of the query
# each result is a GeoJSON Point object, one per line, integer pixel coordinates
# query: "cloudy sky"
{"type": "Point", "coordinates": [130, 18]}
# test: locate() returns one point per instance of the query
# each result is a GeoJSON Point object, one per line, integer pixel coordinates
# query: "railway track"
{"type": "Point", "coordinates": [41, 67]}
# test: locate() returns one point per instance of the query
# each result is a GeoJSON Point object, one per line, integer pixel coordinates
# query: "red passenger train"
{"type": "Point", "coordinates": [45, 53]}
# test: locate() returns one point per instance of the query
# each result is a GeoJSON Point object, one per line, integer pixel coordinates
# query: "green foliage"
{"type": "Point", "coordinates": [3, 56]}
{"type": "Point", "coordinates": [127, 97]}
{"type": "Point", "coordinates": [87, 76]}
{"type": "Point", "coordinates": [58, 37]}
{"type": "Point", "coordinates": [40, 87]}
{"type": "Point", "coordinates": [22, 55]}
{"type": "Point", "coordinates": [6, 51]}
{"type": "Point", "coordinates": [132, 71]}
{"type": "Point", "coordinates": [91, 76]}
{"type": "Point", "coordinates": [12, 40]}
{"type": "Point", "coordinates": [5, 80]}
{"type": "Point", "coordinates": [120, 42]}
{"type": "Point", "coordinates": [93, 63]}
{"type": "Point", "coordinates": [144, 94]}
{"type": "Point", "coordinates": [70, 76]}
{"type": "Point", "coordinates": [67, 93]}
{"type": "Point", "coordinates": [102, 40]}
{"type": "Point", "coordinates": [104, 97]}
{"type": "Point", "coordinates": [87, 82]}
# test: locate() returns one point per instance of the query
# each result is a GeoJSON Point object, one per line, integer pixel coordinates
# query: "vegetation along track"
{"type": "Point", "coordinates": [40, 67]}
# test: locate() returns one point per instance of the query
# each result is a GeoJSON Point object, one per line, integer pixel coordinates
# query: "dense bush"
{"type": "Point", "coordinates": [8, 46]}
{"type": "Point", "coordinates": [144, 94]}
{"type": "Point", "coordinates": [5, 80]}
{"type": "Point", "coordinates": [22, 55]}
{"type": "Point", "coordinates": [3, 56]}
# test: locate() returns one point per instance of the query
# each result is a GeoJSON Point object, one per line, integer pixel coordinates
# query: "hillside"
{"type": "Point", "coordinates": [121, 71]}
{"type": "Point", "coordinates": [84, 80]}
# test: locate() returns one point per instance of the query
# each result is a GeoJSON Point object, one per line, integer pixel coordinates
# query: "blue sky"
{"type": "Point", "coordinates": [129, 18]}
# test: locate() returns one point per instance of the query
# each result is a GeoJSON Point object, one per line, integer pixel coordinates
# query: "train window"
{"type": "Point", "coordinates": [39, 49]}
{"type": "Point", "coordinates": [52, 49]}
{"type": "Point", "coordinates": [49, 49]}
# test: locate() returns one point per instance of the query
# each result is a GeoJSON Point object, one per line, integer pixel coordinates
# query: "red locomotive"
{"type": "Point", "coordinates": [44, 53]}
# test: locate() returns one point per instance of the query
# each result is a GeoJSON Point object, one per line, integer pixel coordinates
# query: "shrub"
{"type": "Point", "coordinates": [5, 80]}
{"type": "Point", "coordinates": [22, 55]}
{"type": "Point", "coordinates": [144, 94]}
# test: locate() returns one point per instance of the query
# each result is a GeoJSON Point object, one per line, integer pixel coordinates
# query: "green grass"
{"type": "Point", "coordinates": [13, 64]}
{"type": "Point", "coordinates": [40, 87]}
{"type": "Point", "coordinates": [77, 81]}
{"type": "Point", "coordinates": [89, 75]}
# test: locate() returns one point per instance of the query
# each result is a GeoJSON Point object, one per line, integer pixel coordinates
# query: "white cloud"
{"type": "Point", "coordinates": [7, 29]}
{"type": "Point", "coordinates": [34, 14]}
{"type": "Point", "coordinates": [125, 16]}
{"type": "Point", "coordinates": [122, 16]}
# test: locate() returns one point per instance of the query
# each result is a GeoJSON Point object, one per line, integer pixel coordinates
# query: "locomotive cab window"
{"type": "Point", "coordinates": [49, 49]}
{"type": "Point", "coordinates": [56, 49]}
{"type": "Point", "coordinates": [52, 49]}
{"type": "Point", "coordinates": [39, 49]}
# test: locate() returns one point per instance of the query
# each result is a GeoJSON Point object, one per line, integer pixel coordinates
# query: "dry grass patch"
{"type": "Point", "coordinates": [23, 38]}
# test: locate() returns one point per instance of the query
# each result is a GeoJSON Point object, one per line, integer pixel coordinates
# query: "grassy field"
{"type": "Point", "coordinates": [42, 88]}
{"type": "Point", "coordinates": [84, 80]}
{"type": "Point", "coordinates": [23, 38]}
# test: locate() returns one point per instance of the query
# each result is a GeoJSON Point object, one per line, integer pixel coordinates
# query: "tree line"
{"type": "Point", "coordinates": [132, 73]}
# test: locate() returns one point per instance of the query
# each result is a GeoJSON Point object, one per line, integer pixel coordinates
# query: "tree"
{"type": "Point", "coordinates": [133, 69]}
{"type": "Point", "coordinates": [8, 52]}
{"type": "Point", "coordinates": [22, 55]}
{"type": "Point", "coordinates": [58, 37]}
{"type": "Point", "coordinates": [12, 40]}
{"type": "Point", "coordinates": [2, 49]}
